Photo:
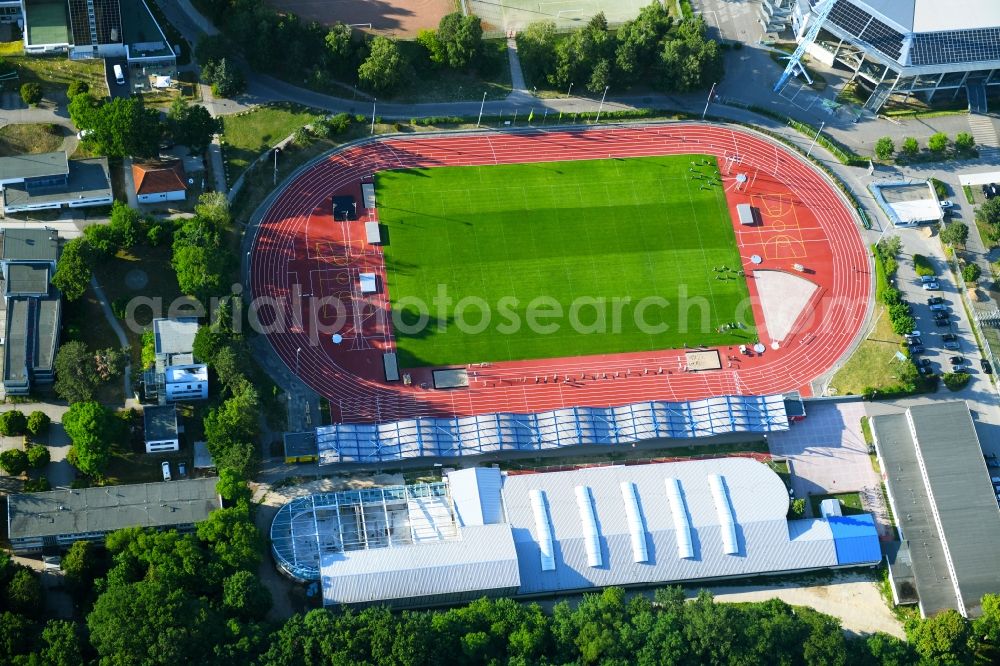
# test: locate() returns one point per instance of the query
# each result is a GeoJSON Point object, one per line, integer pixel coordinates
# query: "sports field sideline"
{"type": "Point", "coordinates": [626, 229]}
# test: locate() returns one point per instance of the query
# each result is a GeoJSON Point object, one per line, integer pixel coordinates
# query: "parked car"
{"type": "Point", "coordinates": [923, 363]}
{"type": "Point", "coordinates": [941, 322]}
{"type": "Point", "coordinates": [916, 349]}
{"type": "Point", "coordinates": [914, 342]}
{"type": "Point", "coordinates": [949, 337]}
{"type": "Point", "coordinates": [987, 368]}
{"type": "Point", "coordinates": [931, 286]}
{"type": "Point", "coordinates": [182, 469]}
{"type": "Point", "coordinates": [947, 203]}
{"type": "Point", "coordinates": [957, 360]}
{"type": "Point", "coordinates": [935, 300]}
{"type": "Point", "coordinates": [165, 467]}
{"type": "Point", "coordinates": [925, 371]}
{"type": "Point", "coordinates": [940, 314]}
{"type": "Point", "coordinates": [939, 307]}
{"type": "Point", "coordinates": [912, 334]}
{"type": "Point", "coordinates": [928, 278]}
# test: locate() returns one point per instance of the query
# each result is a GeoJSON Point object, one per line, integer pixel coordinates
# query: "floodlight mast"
{"type": "Point", "coordinates": [796, 60]}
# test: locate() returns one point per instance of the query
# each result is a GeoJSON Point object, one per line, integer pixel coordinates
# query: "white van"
{"type": "Point", "coordinates": [119, 75]}
{"type": "Point", "coordinates": [165, 466]}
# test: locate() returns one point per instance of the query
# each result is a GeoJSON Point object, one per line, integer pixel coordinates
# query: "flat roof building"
{"type": "Point", "coordinates": [175, 376]}
{"type": "Point", "coordinates": [944, 503]}
{"type": "Point", "coordinates": [485, 533]}
{"type": "Point", "coordinates": [160, 429]}
{"type": "Point", "coordinates": [906, 48]}
{"type": "Point", "coordinates": [55, 519]}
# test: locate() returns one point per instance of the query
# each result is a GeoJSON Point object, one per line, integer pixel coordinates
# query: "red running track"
{"type": "Point", "coordinates": [300, 250]}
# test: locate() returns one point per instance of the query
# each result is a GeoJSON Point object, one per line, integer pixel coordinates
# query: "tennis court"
{"type": "Point", "coordinates": [505, 15]}
{"type": "Point", "coordinates": [480, 252]}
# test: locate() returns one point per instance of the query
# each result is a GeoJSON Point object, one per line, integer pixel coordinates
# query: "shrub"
{"type": "Point", "coordinates": [38, 423]}
{"type": "Point", "coordinates": [938, 142]}
{"type": "Point", "coordinates": [76, 87]}
{"type": "Point", "coordinates": [971, 272]}
{"type": "Point", "coordinates": [39, 485]}
{"type": "Point", "coordinates": [923, 266]}
{"type": "Point", "coordinates": [955, 381]}
{"type": "Point", "coordinates": [940, 189]}
{"type": "Point", "coordinates": [902, 324]}
{"type": "Point", "coordinates": [31, 93]}
{"type": "Point", "coordinates": [13, 423]}
{"type": "Point", "coordinates": [797, 508]}
{"type": "Point", "coordinates": [964, 142]}
{"type": "Point", "coordinates": [910, 147]}
{"type": "Point", "coordinates": [884, 148]}
{"type": "Point", "coordinates": [14, 461]}
{"type": "Point", "coordinates": [38, 456]}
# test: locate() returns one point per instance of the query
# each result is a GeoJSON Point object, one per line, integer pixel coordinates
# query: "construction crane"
{"type": "Point", "coordinates": [795, 62]}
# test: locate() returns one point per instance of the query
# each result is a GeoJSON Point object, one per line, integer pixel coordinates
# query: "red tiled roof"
{"type": "Point", "coordinates": [156, 177]}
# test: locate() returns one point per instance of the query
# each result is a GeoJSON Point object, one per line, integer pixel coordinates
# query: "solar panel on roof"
{"type": "Point", "coordinates": [867, 28]}
{"type": "Point", "coordinates": [940, 48]}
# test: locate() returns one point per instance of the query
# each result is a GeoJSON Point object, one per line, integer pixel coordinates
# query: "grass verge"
{"type": "Point", "coordinates": [54, 73]}
{"type": "Point", "coordinates": [874, 363]}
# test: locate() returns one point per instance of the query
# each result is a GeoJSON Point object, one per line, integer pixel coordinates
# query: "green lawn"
{"type": "Point", "coordinates": [30, 138]}
{"type": "Point", "coordinates": [850, 503]}
{"type": "Point", "coordinates": [572, 237]}
{"type": "Point", "coordinates": [247, 135]}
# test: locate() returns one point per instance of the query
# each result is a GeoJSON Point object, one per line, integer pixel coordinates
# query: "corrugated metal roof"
{"type": "Point", "coordinates": [482, 560]}
{"type": "Point", "coordinates": [855, 538]}
{"type": "Point", "coordinates": [766, 541]}
{"type": "Point", "coordinates": [475, 493]}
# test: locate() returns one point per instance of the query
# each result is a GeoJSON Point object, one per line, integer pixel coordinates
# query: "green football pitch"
{"type": "Point", "coordinates": [526, 261]}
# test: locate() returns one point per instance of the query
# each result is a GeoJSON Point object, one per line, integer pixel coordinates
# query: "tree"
{"type": "Point", "coordinates": [198, 258]}
{"type": "Point", "coordinates": [191, 125]}
{"type": "Point", "coordinates": [577, 56]}
{"type": "Point", "coordinates": [971, 272]}
{"type": "Point", "coordinates": [230, 431]}
{"type": "Point", "coordinates": [955, 233]}
{"type": "Point", "coordinates": [76, 86]}
{"type": "Point", "coordinates": [16, 632]}
{"type": "Point", "coordinates": [428, 39]}
{"type": "Point", "coordinates": [14, 461]}
{"type": "Point", "coordinates": [797, 508]}
{"type": "Point", "coordinates": [536, 46]}
{"type": "Point", "coordinates": [942, 639]}
{"type": "Point", "coordinates": [83, 110]}
{"type": "Point", "coordinates": [938, 142]}
{"type": "Point", "coordinates": [461, 38]}
{"type": "Point", "coordinates": [31, 93]}
{"type": "Point", "coordinates": [38, 423]}
{"type": "Point", "coordinates": [884, 148]}
{"type": "Point", "coordinates": [232, 487]}
{"type": "Point", "coordinates": [38, 456]}
{"type": "Point", "coordinates": [245, 595]}
{"type": "Point", "coordinates": [640, 41]}
{"type": "Point", "coordinates": [890, 246]}
{"type": "Point", "coordinates": [76, 372]}
{"type": "Point", "coordinates": [964, 142]}
{"type": "Point", "coordinates": [903, 324]}
{"type": "Point", "coordinates": [690, 60]}
{"type": "Point", "coordinates": [123, 127]}
{"type": "Point", "coordinates": [910, 147]}
{"type": "Point", "coordinates": [13, 423]}
{"type": "Point", "coordinates": [987, 625]}
{"type": "Point", "coordinates": [383, 68]}
{"type": "Point", "coordinates": [93, 429]}
{"type": "Point", "coordinates": [73, 270]}
{"type": "Point", "coordinates": [233, 538]}
{"type": "Point", "coordinates": [61, 644]}
{"type": "Point", "coordinates": [151, 622]}
{"type": "Point", "coordinates": [24, 593]}
{"type": "Point", "coordinates": [125, 226]}
{"type": "Point", "coordinates": [82, 564]}
{"type": "Point", "coordinates": [226, 78]}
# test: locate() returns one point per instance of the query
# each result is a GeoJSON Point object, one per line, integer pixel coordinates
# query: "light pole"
{"type": "Point", "coordinates": [708, 101]}
{"type": "Point", "coordinates": [276, 151]}
{"type": "Point", "coordinates": [815, 138]}
{"type": "Point", "coordinates": [297, 352]}
{"type": "Point", "coordinates": [601, 107]}
{"type": "Point", "coordinates": [481, 105]}
{"type": "Point", "coordinates": [570, 89]}
{"type": "Point", "coordinates": [374, 99]}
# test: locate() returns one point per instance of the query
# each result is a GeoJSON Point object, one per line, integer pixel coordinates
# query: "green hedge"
{"type": "Point", "coordinates": [955, 381]}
